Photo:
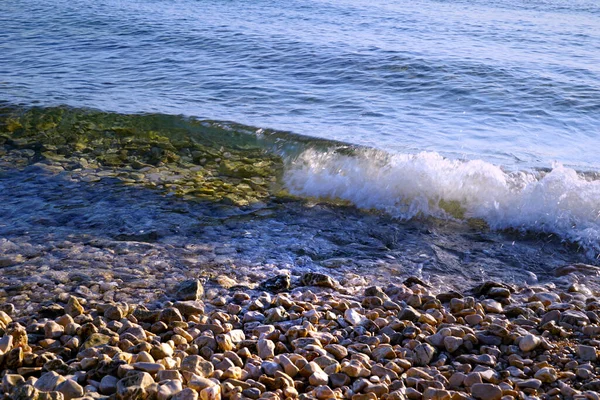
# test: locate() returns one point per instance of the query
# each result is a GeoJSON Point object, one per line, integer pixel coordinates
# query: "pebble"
{"type": "Point", "coordinates": [486, 391]}
{"type": "Point", "coordinates": [587, 353]}
{"type": "Point", "coordinates": [311, 342]}
{"type": "Point", "coordinates": [529, 342]}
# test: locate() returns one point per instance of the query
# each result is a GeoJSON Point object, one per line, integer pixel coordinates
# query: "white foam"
{"type": "Point", "coordinates": [406, 185]}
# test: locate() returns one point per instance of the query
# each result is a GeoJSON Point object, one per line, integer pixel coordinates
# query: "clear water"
{"type": "Point", "coordinates": [512, 83]}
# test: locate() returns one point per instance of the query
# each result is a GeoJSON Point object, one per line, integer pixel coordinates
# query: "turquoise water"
{"type": "Point", "coordinates": [512, 83]}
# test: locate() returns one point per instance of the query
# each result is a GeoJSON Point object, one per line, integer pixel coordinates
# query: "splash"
{"type": "Point", "coordinates": [560, 201]}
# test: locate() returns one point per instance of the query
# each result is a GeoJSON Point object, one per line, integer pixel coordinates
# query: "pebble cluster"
{"type": "Point", "coordinates": [311, 340]}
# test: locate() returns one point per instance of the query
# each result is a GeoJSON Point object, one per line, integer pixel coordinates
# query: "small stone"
{"type": "Point", "coordinates": [365, 396]}
{"type": "Point", "coordinates": [197, 365]}
{"type": "Point", "coordinates": [452, 343]}
{"type": "Point", "coordinates": [73, 307]}
{"type": "Point", "coordinates": [10, 381]}
{"type": "Point", "coordinates": [423, 354]}
{"type": "Point", "coordinates": [149, 367]}
{"type": "Point", "coordinates": [108, 385]}
{"type": "Point", "coordinates": [169, 315]}
{"type": "Point", "coordinates": [276, 284]}
{"type": "Point", "coordinates": [338, 351]}
{"type": "Point", "coordinates": [529, 342]}
{"type": "Point", "coordinates": [169, 388]}
{"type": "Point", "coordinates": [189, 290]}
{"type": "Point", "coordinates": [353, 317]}
{"type": "Point", "coordinates": [114, 312]}
{"type": "Point", "coordinates": [70, 389]}
{"type": "Point", "coordinates": [436, 394]}
{"type": "Point", "coordinates": [48, 381]}
{"type": "Point", "coordinates": [546, 375]}
{"type": "Point", "coordinates": [323, 392]}
{"type": "Point", "coordinates": [134, 385]}
{"type": "Point", "coordinates": [317, 279]}
{"type": "Point", "coordinates": [319, 377]}
{"type": "Point", "coordinates": [409, 314]}
{"type": "Point", "coordinates": [96, 339]}
{"type": "Point", "coordinates": [486, 391]}
{"type": "Point", "coordinates": [266, 349]}
{"type": "Point", "coordinates": [211, 393]}
{"type": "Point", "coordinates": [53, 330]}
{"type": "Point", "coordinates": [529, 384]}
{"type": "Point", "coordinates": [587, 353]}
{"type": "Point", "coordinates": [186, 394]}
{"type": "Point", "coordinates": [339, 380]}
{"type": "Point", "coordinates": [190, 307]}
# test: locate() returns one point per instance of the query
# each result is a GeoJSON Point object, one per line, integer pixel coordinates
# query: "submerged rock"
{"type": "Point", "coordinates": [189, 290]}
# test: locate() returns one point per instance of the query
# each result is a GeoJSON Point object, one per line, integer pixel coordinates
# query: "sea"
{"type": "Point", "coordinates": [437, 138]}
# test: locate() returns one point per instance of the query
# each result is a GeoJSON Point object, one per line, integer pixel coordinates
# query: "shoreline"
{"type": "Point", "coordinates": [311, 341]}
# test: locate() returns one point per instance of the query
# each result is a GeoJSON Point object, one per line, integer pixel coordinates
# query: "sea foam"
{"type": "Point", "coordinates": [560, 201]}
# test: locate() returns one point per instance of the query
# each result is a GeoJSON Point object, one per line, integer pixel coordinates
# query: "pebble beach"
{"type": "Point", "coordinates": [304, 339]}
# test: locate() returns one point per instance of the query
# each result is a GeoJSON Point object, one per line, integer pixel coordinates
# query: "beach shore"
{"type": "Point", "coordinates": [311, 340]}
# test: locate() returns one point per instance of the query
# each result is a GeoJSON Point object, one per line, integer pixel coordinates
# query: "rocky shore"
{"type": "Point", "coordinates": [304, 339]}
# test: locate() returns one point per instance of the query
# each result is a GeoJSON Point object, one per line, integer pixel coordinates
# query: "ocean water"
{"type": "Point", "coordinates": [485, 110]}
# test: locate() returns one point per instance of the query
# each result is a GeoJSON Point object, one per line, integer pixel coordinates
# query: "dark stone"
{"type": "Point", "coordinates": [376, 292]}
{"type": "Point", "coordinates": [52, 311]}
{"type": "Point", "coordinates": [413, 280]}
{"type": "Point", "coordinates": [317, 279]}
{"type": "Point", "coordinates": [276, 284]}
{"type": "Point", "coordinates": [191, 289]}
{"type": "Point", "coordinates": [484, 288]}
{"type": "Point", "coordinates": [447, 296]}
{"type": "Point", "coordinates": [584, 269]}
{"type": "Point", "coordinates": [144, 315]}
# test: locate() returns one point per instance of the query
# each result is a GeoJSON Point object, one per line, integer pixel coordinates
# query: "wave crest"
{"type": "Point", "coordinates": [560, 201]}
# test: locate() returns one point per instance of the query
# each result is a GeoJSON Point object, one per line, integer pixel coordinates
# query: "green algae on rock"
{"type": "Point", "coordinates": [195, 159]}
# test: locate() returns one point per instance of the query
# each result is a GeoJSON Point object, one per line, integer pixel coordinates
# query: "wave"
{"type": "Point", "coordinates": [245, 161]}
{"type": "Point", "coordinates": [559, 201]}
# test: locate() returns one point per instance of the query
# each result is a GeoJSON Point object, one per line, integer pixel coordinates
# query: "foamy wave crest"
{"type": "Point", "coordinates": [561, 201]}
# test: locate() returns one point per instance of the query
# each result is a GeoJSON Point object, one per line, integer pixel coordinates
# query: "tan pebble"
{"type": "Point", "coordinates": [529, 342]}
{"type": "Point", "coordinates": [150, 367]}
{"type": "Point", "coordinates": [265, 348]}
{"type": "Point", "coordinates": [197, 365]}
{"type": "Point", "coordinates": [48, 381]}
{"type": "Point", "coordinates": [473, 319]}
{"type": "Point", "coordinates": [354, 369]}
{"type": "Point", "coordinates": [323, 392]}
{"type": "Point", "coordinates": [211, 393]}
{"type": "Point", "coordinates": [452, 343]}
{"type": "Point", "coordinates": [53, 330]}
{"type": "Point", "coordinates": [70, 389]}
{"type": "Point", "coordinates": [136, 383]}
{"type": "Point", "coordinates": [378, 389]}
{"type": "Point", "coordinates": [318, 377]}
{"type": "Point", "coordinates": [486, 391]}
{"type": "Point", "coordinates": [168, 388]}
{"type": "Point", "coordinates": [546, 375]}
{"type": "Point", "coordinates": [144, 356]}
{"type": "Point", "coordinates": [186, 394]}
{"type": "Point", "coordinates": [472, 379]}
{"type": "Point", "coordinates": [364, 396]}
{"type": "Point", "coordinates": [436, 394]}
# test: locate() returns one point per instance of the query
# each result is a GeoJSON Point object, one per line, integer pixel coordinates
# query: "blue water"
{"type": "Point", "coordinates": [513, 83]}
